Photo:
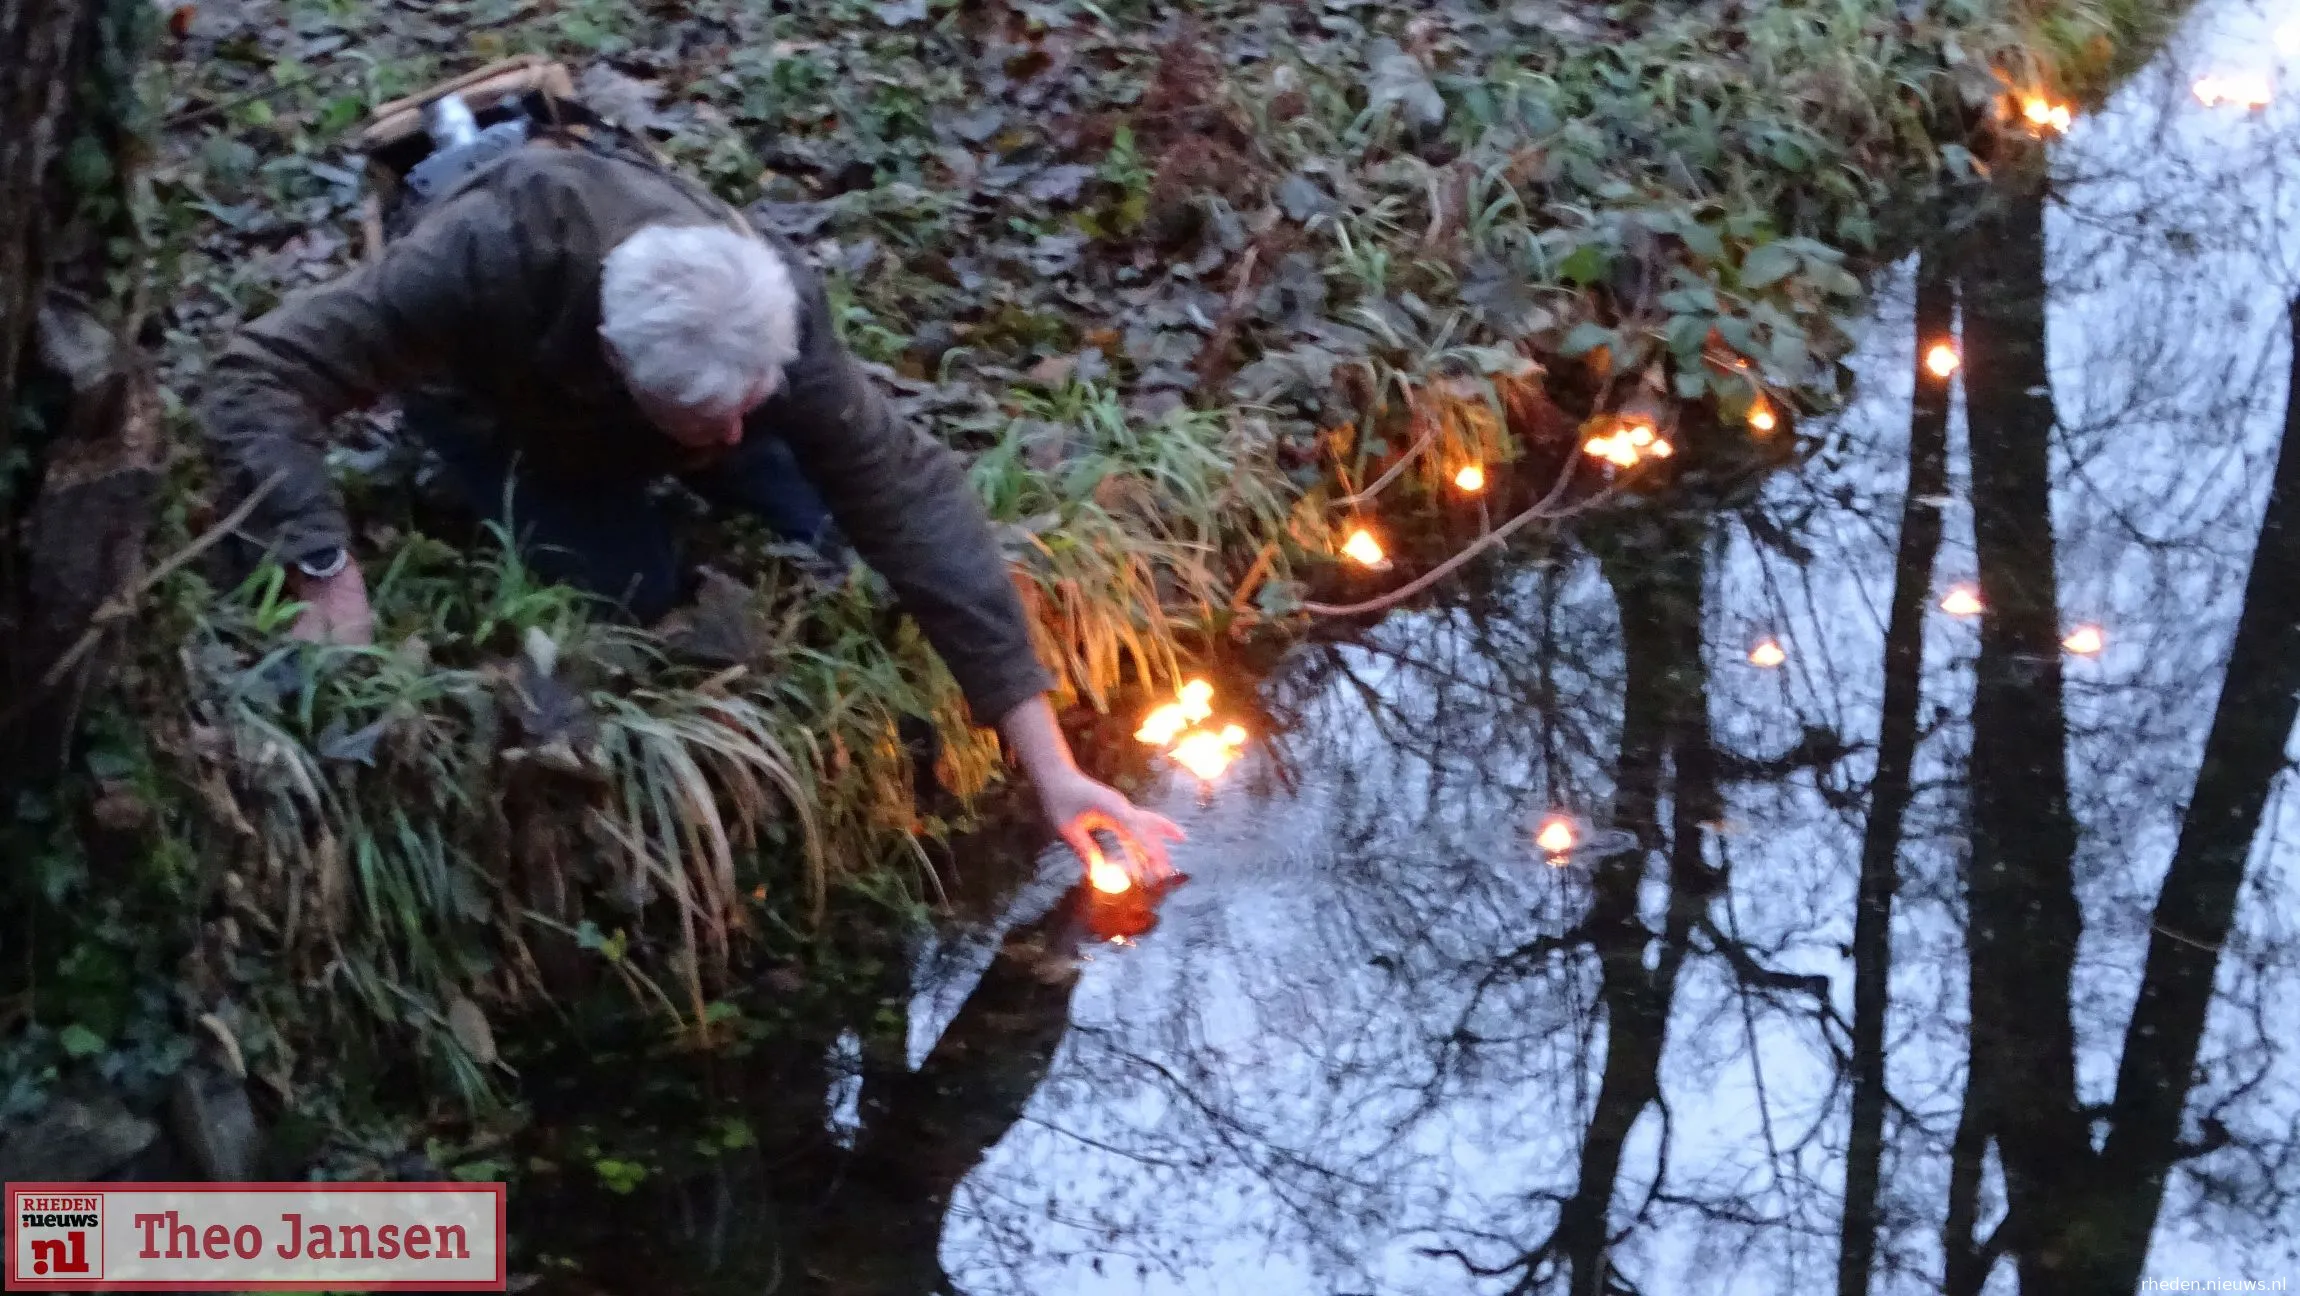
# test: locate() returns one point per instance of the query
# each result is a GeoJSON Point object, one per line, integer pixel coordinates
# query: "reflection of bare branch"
{"type": "Point", "coordinates": [2196, 909]}
{"type": "Point", "coordinates": [1889, 791]}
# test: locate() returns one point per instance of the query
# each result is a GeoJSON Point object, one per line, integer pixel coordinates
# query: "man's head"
{"type": "Point", "coordinates": [700, 321]}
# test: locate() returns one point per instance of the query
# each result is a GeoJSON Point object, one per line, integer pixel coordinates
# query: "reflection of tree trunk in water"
{"type": "Point", "coordinates": [1889, 791]}
{"type": "Point", "coordinates": [881, 1232]}
{"type": "Point", "coordinates": [2023, 923]}
{"type": "Point", "coordinates": [1665, 715]}
{"type": "Point", "coordinates": [2243, 754]}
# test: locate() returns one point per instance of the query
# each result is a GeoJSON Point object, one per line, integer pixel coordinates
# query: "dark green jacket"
{"type": "Point", "coordinates": [494, 294]}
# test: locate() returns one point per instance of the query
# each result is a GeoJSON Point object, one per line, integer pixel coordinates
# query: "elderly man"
{"type": "Point", "coordinates": [571, 323]}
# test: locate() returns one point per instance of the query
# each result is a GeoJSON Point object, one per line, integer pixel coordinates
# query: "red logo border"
{"type": "Point", "coordinates": [496, 1190]}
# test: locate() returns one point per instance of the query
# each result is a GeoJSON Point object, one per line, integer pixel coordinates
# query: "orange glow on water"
{"type": "Point", "coordinates": [1557, 835]}
{"type": "Point", "coordinates": [2085, 641]}
{"type": "Point", "coordinates": [1471, 479]}
{"type": "Point", "coordinates": [1768, 654]}
{"type": "Point", "coordinates": [1962, 601]}
{"type": "Point", "coordinates": [1762, 418]}
{"type": "Point", "coordinates": [1362, 549]}
{"type": "Point", "coordinates": [1942, 359]}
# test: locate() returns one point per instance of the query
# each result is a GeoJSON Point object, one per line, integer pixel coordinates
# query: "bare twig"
{"type": "Point", "coordinates": [1545, 510]}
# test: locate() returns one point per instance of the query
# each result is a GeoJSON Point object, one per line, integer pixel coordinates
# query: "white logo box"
{"type": "Point", "coordinates": [256, 1237]}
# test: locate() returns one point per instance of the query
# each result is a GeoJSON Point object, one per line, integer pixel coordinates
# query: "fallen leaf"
{"type": "Point", "coordinates": [471, 1030]}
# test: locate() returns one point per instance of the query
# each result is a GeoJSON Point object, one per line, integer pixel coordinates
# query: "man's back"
{"type": "Point", "coordinates": [492, 297]}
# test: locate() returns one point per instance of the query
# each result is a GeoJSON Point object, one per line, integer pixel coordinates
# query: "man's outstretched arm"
{"type": "Point", "coordinates": [902, 498]}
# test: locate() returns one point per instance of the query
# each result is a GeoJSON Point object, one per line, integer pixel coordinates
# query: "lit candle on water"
{"type": "Point", "coordinates": [1557, 835]}
{"type": "Point", "coordinates": [1962, 601]}
{"type": "Point", "coordinates": [1106, 877]}
{"type": "Point", "coordinates": [1362, 549]}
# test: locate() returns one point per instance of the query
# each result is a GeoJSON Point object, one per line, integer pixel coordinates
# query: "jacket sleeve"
{"type": "Point", "coordinates": [902, 498]}
{"type": "Point", "coordinates": [338, 347]}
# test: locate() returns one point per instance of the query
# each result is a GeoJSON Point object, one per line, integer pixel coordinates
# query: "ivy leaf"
{"type": "Point", "coordinates": [1686, 333]}
{"type": "Point", "coordinates": [1767, 265]}
{"type": "Point", "coordinates": [1585, 338]}
{"type": "Point", "coordinates": [86, 165]}
{"type": "Point", "coordinates": [1737, 334]}
{"type": "Point", "coordinates": [1584, 266]}
{"type": "Point", "coordinates": [1703, 241]}
{"type": "Point", "coordinates": [1834, 280]}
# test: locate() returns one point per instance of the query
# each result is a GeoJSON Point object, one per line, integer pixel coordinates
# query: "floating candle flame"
{"type": "Point", "coordinates": [2046, 115]}
{"type": "Point", "coordinates": [1162, 725]}
{"type": "Point", "coordinates": [1106, 877]}
{"type": "Point", "coordinates": [1628, 445]}
{"type": "Point", "coordinates": [2085, 641]}
{"type": "Point", "coordinates": [1197, 700]}
{"type": "Point", "coordinates": [2242, 89]}
{"type": "Point", "coordinates": [1362, 549]}
{"type": "Point", "coordinates": [1767, 653]}
{"type": "Point", "coordinates": [1471, 479]}
{"type": "Point", "coordinates": [1557, 835]}
{"type": "Point", "coordinates": [1762, 418]}
{"type": "Point", "coordinates": [1962, 601]}
{"type": "Point", "coordinates": [1942, 359]}
{"type": "Point", "coordinates": [1206, 753]}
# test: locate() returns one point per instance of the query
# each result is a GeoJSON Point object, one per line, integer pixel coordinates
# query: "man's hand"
{"type": "Point", "coordinates": [336, 608]}
{"type": "Point", "coordinates": [1076, 805]}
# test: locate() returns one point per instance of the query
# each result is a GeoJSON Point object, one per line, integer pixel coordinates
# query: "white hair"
{"type": "Point", "coordinates": [700, 315]}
